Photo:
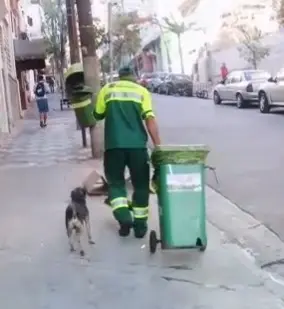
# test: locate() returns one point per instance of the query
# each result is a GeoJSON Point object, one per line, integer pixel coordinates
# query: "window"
{"type": "Point", "coordinates": [254, 75]}
{"type": "Point", "coordinates": [236, 77]}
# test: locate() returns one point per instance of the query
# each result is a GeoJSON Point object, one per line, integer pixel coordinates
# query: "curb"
{"type": "Point", "coordinates": [259, 241]}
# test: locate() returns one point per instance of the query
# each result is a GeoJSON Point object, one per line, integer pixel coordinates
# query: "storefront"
{"type": "Point", "coordinates": [29, 55]}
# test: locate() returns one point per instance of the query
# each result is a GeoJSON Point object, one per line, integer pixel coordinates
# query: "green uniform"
{"type": "Point", "coordinates": [124, 105]}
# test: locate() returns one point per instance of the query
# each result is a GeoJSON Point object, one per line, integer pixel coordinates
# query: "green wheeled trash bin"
{"type": "Point", "coordinates": [180, 181]}
{"type": "Point", "coordinates": [81, 96]}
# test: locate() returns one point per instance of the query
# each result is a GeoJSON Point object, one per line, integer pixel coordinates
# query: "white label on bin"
{"type": "Point", "coordinates": [184, 182]}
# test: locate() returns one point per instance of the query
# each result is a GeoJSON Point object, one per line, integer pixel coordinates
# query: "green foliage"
{"type": "Point", "coordinates": [252, 49]}
{"type": "Point", "coordinates": [126, 34]}
{"type": "Point", "coordinates": [105, 63]}
{"type": "Point", "coordinates": [280, 12]}
{"type": "Point", "coordinates": [176, 27]}
{"type": "Point", "coordinates": [55, 29]}
{"type": "Point", "coordinates": [100, 33]}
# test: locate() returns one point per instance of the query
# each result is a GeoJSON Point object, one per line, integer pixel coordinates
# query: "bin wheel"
{"type": "Point", "coordinates": [153, 241]}
{"type": "Point", "coordinates": [202, 247]}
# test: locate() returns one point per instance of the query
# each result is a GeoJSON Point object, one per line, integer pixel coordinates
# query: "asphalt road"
{"type": "Point", "coordinates": [247, 148]}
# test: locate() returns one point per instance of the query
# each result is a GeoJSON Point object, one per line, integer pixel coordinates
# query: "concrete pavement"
{"type": "Point", "coordinates": [34, 146]}
{"type": "Point", "coordinates": [38, 271]}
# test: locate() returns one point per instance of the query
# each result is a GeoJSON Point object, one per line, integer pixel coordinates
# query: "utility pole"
{"type": "Point", "coordinates": [91, 66]}
{"type": "Point", "coordinates": [110, 34]}
{"type": "Point", "coordinates": [74, 47]}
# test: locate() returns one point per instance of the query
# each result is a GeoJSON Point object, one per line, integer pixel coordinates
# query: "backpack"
{"type": "Point", "coordinates": [40, 90]}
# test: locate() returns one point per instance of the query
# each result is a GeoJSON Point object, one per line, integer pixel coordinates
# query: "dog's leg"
{"type": "Point", "coordinates": [79, 242]}
{"type": "Point", "coordinates": [88, 228]}
{"type": "Point", "coordinates": [71, 239]}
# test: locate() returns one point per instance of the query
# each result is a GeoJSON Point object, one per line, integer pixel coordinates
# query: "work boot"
{"type": "Point", "coordinates": [140, 228]}
{"type": "Point", "coordinates": [124, 230]}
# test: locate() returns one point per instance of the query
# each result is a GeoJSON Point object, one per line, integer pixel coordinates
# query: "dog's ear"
{"type": "Point", "coordinates": [84, 191]}
{"type": "Point", "coordinates": [73, 195]}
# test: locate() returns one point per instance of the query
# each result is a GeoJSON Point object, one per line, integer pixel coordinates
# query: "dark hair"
{"type": "Point", "coordinates": [40, 78]}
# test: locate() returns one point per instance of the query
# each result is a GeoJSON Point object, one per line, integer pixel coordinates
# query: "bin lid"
{"type": "Point", "coordinates": [179, 154]}
{"type": "Point", "coordinates": [182, 148]}
{"type": "Point", "coordinates": [74, 69]}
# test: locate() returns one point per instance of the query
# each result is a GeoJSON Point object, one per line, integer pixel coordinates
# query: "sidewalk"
{"type": "Point", "coordinates": [37, 267]}
{"type": "Point", "coordinates": [39, 272]}
{"type": "Point", "coordinates": [34, 146]}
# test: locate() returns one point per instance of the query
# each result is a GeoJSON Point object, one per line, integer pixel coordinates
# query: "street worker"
{"type": "Point", "coordinates": [124, 105]}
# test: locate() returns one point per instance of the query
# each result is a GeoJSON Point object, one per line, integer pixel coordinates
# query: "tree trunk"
{"type": "Point", "coordinates": [72, 32]}
{"type": "Point", "coordinates": [180, 53]}
{"type": "Point", "coordinates": [91, 66]}
{"type": "Point", "coordinates": [169, 60]}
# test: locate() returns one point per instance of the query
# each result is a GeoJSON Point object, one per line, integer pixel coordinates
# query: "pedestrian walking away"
{"type": "Point", "coordinates": [51, 84]}
{"type": "Point", "coordinates": [125, 105]}
{"type": "Point", "coordinates": [40, 92]}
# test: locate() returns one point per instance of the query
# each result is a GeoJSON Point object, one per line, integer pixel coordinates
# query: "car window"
{"type": "Point", "coordinates": [236, 77]}
{"type": "Point", "coordinates": [228, 79]}
{"type": "Point", "coordinates": [254, 75]}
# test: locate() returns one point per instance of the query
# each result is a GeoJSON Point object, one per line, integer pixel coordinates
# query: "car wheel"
{"type": "Point", "coordinates": [216, 98]}
{"type": "Point", "coordinates": [241, 103]}
{"type": "Point", "coordinates": [264, 106]}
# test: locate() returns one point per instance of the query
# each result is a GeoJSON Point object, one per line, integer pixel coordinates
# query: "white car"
{"type": "Point", "coordinates": [271, 93]}
{"type": "Point", "coordinates": [241, 87]}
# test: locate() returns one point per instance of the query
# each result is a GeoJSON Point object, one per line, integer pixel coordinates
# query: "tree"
{"type": "Point", "coordinates": [55, 33]}
{"type": "Point", "coordinates": [252, 49]}
{"type": "Point", "coordinates": [126, 33]}
{"type": "Point", "coordinates": [178, 28]}
{"type": "Point", "coordinates": [100, 35]}
{"type": "Point", "coordinates": [91, 66]}
{"type": "Point", "coordinates": [278, 6]}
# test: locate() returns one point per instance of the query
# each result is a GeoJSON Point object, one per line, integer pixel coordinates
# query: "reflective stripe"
{"type": "Point", "coordinates": [119, 202]}
{"type": "Point", "coordinates": [81, 104]}
{"type": "Point", "coordinates": [140, 212]}
{"type": "Point", "coordinates": [124, 95]}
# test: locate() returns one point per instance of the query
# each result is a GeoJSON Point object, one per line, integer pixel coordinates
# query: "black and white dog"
{"type": "Point", "coordinates": [77, 219]}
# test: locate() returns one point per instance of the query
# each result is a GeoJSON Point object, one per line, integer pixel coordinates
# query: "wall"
{"type": "Point", "coordinates": [231, 57]}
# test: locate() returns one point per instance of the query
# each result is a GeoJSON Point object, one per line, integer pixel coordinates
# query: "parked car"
{"type": "Point", "coordinates": [145, 79]}
{"type": "Point", "coordinates": [176, 84]}
{"type": "Point", "coordinates": [157, 79]}
{"type": "Point", "coordinates": [271, 93]}
{"type": "Point", "coordinates": [241, 87]}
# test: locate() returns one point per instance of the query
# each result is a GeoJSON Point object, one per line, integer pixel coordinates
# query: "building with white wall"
{"type": "Point", "coordinates": [10, 110]}
{"type": "Point", "coordinates": [34, 17]}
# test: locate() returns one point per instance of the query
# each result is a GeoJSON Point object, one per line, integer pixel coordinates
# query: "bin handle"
{"type": "Point", "coordinates": [213, 169]}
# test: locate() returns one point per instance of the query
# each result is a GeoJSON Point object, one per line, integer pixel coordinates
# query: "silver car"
{"type": "Point", "coordinates": [271, 93]}
{"type": "Point", "coordinates": [241, 87]}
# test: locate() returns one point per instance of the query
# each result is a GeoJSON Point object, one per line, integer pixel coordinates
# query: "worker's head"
{"type": "Point", "coordinates": [126, 73]}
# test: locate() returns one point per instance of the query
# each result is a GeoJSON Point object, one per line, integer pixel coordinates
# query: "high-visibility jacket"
{"type": "Point", "coordinates": [124, 105]}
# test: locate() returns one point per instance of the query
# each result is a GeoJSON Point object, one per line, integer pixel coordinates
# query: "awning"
{"type": "Point", "coordinates": [30, 55]}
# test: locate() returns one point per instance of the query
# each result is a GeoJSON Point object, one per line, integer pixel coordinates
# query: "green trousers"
{"type": "Point", "coordinates": [137, 161]}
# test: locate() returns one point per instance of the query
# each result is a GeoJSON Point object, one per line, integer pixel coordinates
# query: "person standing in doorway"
{"type": "Point", "coordinates": [40, 92]}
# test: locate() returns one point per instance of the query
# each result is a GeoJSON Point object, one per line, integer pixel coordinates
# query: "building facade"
{"type": "Point", "coordinates": [10, 109]}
